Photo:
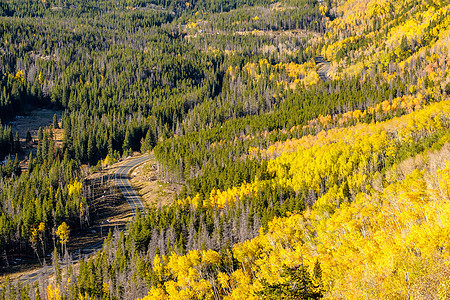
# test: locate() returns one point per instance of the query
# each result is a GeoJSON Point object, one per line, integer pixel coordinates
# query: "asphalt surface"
{"type": "Point", "coordinates": [323, 67]}
{"type": "Point", "coordinates": [121, 179]}
{"type": "Point", "coordinates": [124, 185]}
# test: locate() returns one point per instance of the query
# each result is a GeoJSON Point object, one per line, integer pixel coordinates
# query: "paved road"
{"type": "Point", "coordinates": [125, 187]}
{"type": "Point", "coordinates": [324, 67]}
{"type": "Point", "coordinates": [121, 178]}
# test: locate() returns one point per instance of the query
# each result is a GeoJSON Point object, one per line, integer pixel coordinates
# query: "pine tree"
{"type": "Point", "coordinates": [28, 139]}
{"type": "Point", "coordinates": [55, 122]}
{"type": "Point", "coordinates": [91, 153]}
{"type": "Point", "coordinates": [30, 162]}
{"type": "Point", "coordinates": [404, 44]}
{"type": "Point", "coordinates": [297, 285]}
{"type": "Point", "coordinates": [17, 148]}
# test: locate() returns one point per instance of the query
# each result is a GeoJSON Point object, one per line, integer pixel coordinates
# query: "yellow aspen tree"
{"type": "Point", "coordinates": [63, 234]}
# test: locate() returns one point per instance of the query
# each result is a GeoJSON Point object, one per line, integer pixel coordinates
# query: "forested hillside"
{"type": "Point", "coordinates": [312, 140]}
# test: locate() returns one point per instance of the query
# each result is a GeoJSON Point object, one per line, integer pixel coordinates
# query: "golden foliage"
{"type": "Point", "coordinates": [20, 76]}
{"type": "Point", "coordinates": [53, 293]}
{"type": "Point", "coordinates": [284, 74]}
{"type": "Point", "coordinates": [63, 233]}
{"type": "Point", "coordinates": [74, 188]}
{"type": "Point", "coordinates": [389, 240]}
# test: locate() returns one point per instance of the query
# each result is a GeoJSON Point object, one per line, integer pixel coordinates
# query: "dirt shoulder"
{"type": "Point", "coordinates": [150, 187]}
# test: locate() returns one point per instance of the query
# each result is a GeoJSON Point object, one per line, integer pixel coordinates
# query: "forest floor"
{"type": "Point", "coordinates": [31, 120]}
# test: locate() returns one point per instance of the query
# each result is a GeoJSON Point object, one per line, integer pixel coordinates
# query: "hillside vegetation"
{"type": "Point", "coordinates": [293, 187]}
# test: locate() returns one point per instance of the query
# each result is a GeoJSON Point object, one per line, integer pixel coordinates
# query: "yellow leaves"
{"type": "Point", "coordinates": [155, 293]}
{"type": "Point", "coordinates": [36, 231]}
{"type": "Point", "coordinates": [332, 49]}
{"type": "Point", "coordinates": [425, 26]}
{"type": "Point", "coordinates": [187, 273]}
{"type": "Point", "coordinates": [108, 160]}
{"type": "Point", "coordinates": [179, 265]}
{"type": "Point", "coordinates": [248, 250]}
{"type": "Point", "coordinates": [41, 227]}
{"type": "Point", "coordinates": [428, 119]}
{"type": "Point", "coordinates": [74, 188]}
{"type": "Point", "coordinates": [83, 297]}
{"type": "Point", "coordinates": [106, 288]}
{"type": "Point", "coordinates": [296, 73]}
{"type": "Point", "coordinates": [34, 234]}
{"type": "Point", "coordinates": [416, 192]}
{"type": "Point", "coordinates": [20, 76]}
{"type": "Point", "coordinates": [53, 293]}
{"type": "Point", "coordinates": [232, 71]}
{"type": "Point", "coordinates": [443, 291]}
{"type": "Point", "coordinates": [223, 279]}
{"type": "Point", "coordinates": [192, 25]}
{"type": "Point", "coordinates": [172, 290]}
{"type": "Point", "coordinates": [323, 9]}
{"type": "Point", "coordinates": [444, 181]}
{"type": "Point", "coordinates": [333, 161]}
{"type": "Point", "coordinates": [241, 285]}
{"type": "Point", "coordinates": [378, 8]}
{"type": "Point", "coordinates": [375, 239]}
{"type": "Point", "coordinates": [365, 244]}
{"type": "Point", "coordinates": [194, 201]}
{"type": "Point", "coordinates": [63, 233]}
{"type": "Point", "coordinates": [311, 79]}
{"type": "Point", "coordinates": [222, 198]}
{"type": "Point", "coordinates": [210, 257]}
{"type": "Point", "coordinates": [158, 267]}
{"type": "Point", "coordinates": [379, 236]}
{"type": "Point", "coordinates": [328, 202]}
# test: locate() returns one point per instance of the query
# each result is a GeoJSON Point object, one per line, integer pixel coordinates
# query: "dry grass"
{"type": "Point", "coordinates": [32, 120]}
{"type": "Point", "coordinates": [147, 183]}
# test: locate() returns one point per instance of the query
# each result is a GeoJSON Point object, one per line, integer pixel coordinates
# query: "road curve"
{"type": "Point", "coordinates": [121, 177]}
{"type": "Point", "coordinates": [323, 67]}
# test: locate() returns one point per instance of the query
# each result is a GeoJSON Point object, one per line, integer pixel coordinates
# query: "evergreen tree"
{"type": "Point", "coordinates": [55, 122]}
{"type": "Point", "coordinates": [297, 284]}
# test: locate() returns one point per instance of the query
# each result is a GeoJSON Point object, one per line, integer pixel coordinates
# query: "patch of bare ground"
{"type": "Point", "coordinates": [150, 187]}
{"type": "Point", "coordinates": [32, 120]}
{"type": "Point", "coordinates": [107, 208]}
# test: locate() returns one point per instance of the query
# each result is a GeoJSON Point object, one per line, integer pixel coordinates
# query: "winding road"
{"type": "Point", "coordinates": [121, 179]}
{"type": "Point", "coordinates": [124, 185]}
{"type": "Point", "coordinates": [323, 67]}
